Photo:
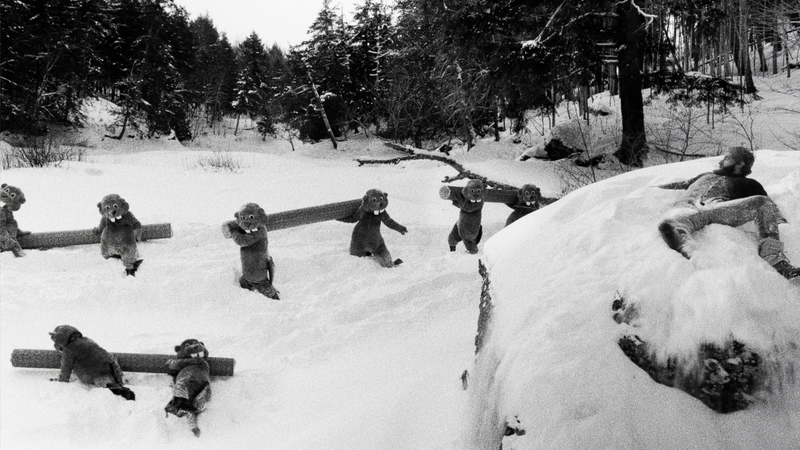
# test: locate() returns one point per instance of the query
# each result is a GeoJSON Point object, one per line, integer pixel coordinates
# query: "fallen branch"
{"type": "Point", "coordinates": [463, 173]}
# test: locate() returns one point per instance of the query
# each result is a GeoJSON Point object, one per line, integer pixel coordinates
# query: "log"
{"type": "Point", "coordinates": [492, 195]}
{"type": "Point", "coordinates": [128, 362]}
{"type": "Point", "coordinates": [313, 214]}
{"type": "Point", "coordinates": [82, 237]}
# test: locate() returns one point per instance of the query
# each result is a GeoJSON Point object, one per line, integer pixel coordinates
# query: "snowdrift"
{"type": "Point", "coordinates": [551, 363]}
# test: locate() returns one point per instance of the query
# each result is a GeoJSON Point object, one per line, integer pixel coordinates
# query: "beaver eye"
{"type": "Point", "coordinates": [251, 217]}
{"type": "Point", "coordinates": [108, 207]}
{"type": "Point", "coordinates": [13, 195]}
{"type": "Point", "coordinates": [115, 205]}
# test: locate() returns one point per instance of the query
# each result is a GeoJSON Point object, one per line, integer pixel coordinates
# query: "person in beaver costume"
{"type": "Point", "coordinates": [191, 377]}
{"type": "Point", "coordinates": [249, 232]}
{"type": "Point", "coordinates": [366, 239]}
{"type": "Point", "coordinates": [91, 363]}
{"type": "Point", "coordinates": [529, 199]}
{"type": "Point", "coordinates": [12, 198]}
{"type": "Point", "coordinates": [468, 227]}
{"type": "Point", "coordinates": [119, 230]}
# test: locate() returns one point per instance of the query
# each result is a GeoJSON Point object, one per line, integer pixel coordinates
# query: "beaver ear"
{"type": "Point", "coordinates": [100, 206]}
{"type": "Point", "coordinates": [262, 215]}
{"type": "Point", "coordinates": [236, 215]}
{"type": "Point", "coordinates": [123, 202]}
{"type": "Point", "coordinates": [21, 200]}
{"type": "Point", "coordinates": [74, 335]}
{"type": "Point", "coordinates": [177, 348]}
{"type": "Point", "coordinates": [3, 185]}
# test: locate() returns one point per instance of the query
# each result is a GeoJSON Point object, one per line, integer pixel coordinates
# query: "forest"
{"type": "Point", "coordinates": [418, 71]}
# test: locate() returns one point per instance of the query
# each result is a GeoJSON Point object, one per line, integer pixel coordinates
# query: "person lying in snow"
{"type": "Point", "coordinates": [726, 196]}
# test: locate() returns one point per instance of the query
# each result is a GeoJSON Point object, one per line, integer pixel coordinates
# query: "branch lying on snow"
{"type": "Point", "coordinates": [463, 173]}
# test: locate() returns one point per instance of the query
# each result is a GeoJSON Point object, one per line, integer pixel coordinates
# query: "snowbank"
{"type": "Point", "coordinates": [552, 360]}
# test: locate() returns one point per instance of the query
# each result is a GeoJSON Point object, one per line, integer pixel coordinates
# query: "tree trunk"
{"type": "Point", "coordinates": [746, 68]}
{"type": "Point", "coordinates": [633, 147]}
{"type": "Point", "coordinates": [322, 112]}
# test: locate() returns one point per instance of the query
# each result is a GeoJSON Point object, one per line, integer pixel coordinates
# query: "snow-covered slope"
{"type": "Point", "coordinates": [552, 361]}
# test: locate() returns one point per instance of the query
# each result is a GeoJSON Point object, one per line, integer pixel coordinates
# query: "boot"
{"type": "Point", "coordinates": [122, 391]}
{"type": "Point", "coordinates": [675, 236]}
{"type": "Point", "coordinates": [787, 270]}
{"type": "Point", "coordinates": [132, 271]}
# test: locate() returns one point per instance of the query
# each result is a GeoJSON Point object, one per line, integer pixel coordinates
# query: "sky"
{"type": "Point", "coordinates": [275, 21]}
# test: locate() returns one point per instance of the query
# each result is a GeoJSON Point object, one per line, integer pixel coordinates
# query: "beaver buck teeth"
{"type": "Point", "coordinates": [197, 355]}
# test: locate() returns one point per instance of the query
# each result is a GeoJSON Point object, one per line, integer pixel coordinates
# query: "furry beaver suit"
{"type": "Point", "coordinates": [12, 198]}
{"type": "Point", "coordinates": [529, 199]}
{"type": "Point", "coordinates": [119, 230]}
{"type": "Point", "coordinates": [91, 363]}
{"type": "Point", "coordinates": [366, 239]}
{"type": "Point", "coordinates": [249, 232]}
{"type": "Point", "coordinates": [468, 227]}
{"type": "Point", "coordinates": [191, 376]}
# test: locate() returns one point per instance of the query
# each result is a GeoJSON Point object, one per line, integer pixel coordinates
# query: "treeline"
{"type": "Point", "coordinates": [414, 70]}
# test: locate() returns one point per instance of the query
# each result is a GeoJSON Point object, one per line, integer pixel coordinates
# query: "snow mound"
{"type": "Point", "coordinates": [551, 360]}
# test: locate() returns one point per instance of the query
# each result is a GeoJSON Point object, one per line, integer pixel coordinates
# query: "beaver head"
{"type": "Point", "coordinates": [250, 216]}
{"type": "Point", "coordinates": [529, 194]}
{"type": "Point", "coordinates": [113, 207]}
{"type": "Point", "coordinates": [474, 191]}
{"type": "Point", "coordinates": [63, 335]}
{"type": "Point", "coordinates": [375, 201]}
{"type": "Point", "coordinates": [11, 196]}
{"type": "Point", "coordinates": [191, 348]}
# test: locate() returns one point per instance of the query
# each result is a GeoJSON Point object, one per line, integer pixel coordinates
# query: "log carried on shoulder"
{"type": "Point", "coordinates": [492, 195]}
{"type": "Point", "coordinates": [313, 214]}
{"type": "Point", "coordinates": [128, 362]}
{"type": "Point", "coordinates": [83, 237]}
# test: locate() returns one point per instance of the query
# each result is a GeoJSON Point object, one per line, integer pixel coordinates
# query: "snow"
{"type": "Point", "coordinates": [356, 356]}
{"type": "Point", "coordinates": [552, 361]}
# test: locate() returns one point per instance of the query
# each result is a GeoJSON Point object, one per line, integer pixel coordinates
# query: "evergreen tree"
{"type": "Point", "coordinates": [252, 63]}
{"type": "Point", "coordinates": [370, 42]}
{"type": "Point", "coordinates": [49, 60]}
{"type": "Point", "coordinates": [214, 78]}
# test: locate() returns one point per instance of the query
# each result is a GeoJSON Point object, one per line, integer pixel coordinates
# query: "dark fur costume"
{"type": "Point", "coordinates": [529, 199]}
{"type": "Point", "coordinates": [468, 228]}
{"type": "Point", "coordinates": [12, 198]}
{"type": "Point", "coordinates": [249, 231]}
{"type": "Point", "coordinates": [92, 365]}
{"type": "Point", "coordinates": [191, 376]}
{"type": "Point", "coordinates": [119, 230]}
{"type": "Point", "coordinates": [366, 239]}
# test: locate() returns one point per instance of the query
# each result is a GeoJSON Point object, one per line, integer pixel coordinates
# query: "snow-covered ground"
{"type": "Point", "coordinates": [356, 356]}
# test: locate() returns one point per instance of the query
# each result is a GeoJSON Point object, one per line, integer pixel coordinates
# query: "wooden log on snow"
{"type": "Point", "coordinates": [82, 237]}
{"type": "Point", "coordinates": [313, 214]}
{"type": "Point", "coordinates": [129, 362]}
{"type": "Point", "coordinates": [492, 195]}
